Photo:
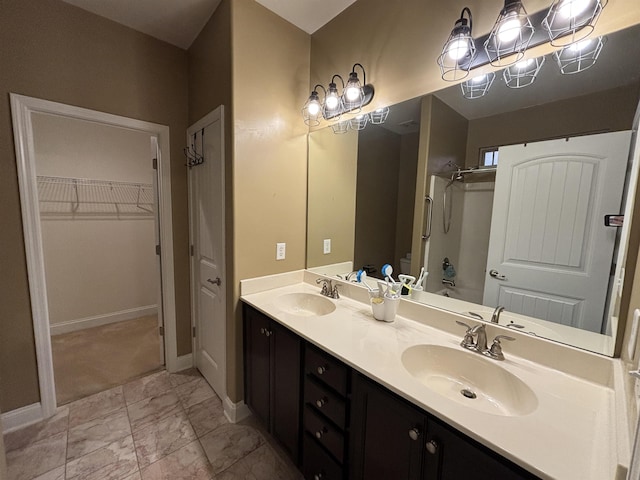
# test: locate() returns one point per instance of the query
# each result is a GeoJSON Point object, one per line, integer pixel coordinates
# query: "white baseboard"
{"type": "Point", "coordinates": [21, 417]}
{"type": "Point", "coordinates": [235, 412]}
{"type": "Point", "coordinates": [104, 319]}
{"type": "Point", "coordinates": [182, 363]}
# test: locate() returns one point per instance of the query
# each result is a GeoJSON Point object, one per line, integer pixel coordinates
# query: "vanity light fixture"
{"type": "Point", "coordinates": [378, 116]}
{"type": "Point", "coordinates": [477, 86]}
{"type": "Point", "coordinates": [459, 50]}
{"type": "Point", "coordinates": [523, 73]}
{"type": "Point", "coordinates": [569, 21]}
{"type": "Point", "coordinates": [340, 127]}
{"type": "Point", "coordinates": [312, 110]}
{"type": "Point", "coordinates": [510, 35]}
{"type": "Point", "coordinates": [353, 94]}
{"type": "Point", "coordinates": [579, 56]}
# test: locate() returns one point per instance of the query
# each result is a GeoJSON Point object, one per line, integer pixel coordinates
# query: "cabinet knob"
{"type": "Point", "coordinates": [321, 402]}
{"type": "Point", "coordinates": [263, 330]}
{"type": "Point", "coordinates": [414, 433]}
{"type": "Point", "coordinates": [432, 447]}
{"type": "Point", "coordinates": [321, 369]}
{"type": "Point", "coordinates": [321, 432]}
{"type": "Point", "coordinates": [318, 476]}
{"type": "Point", "coordinates": [268, 333]}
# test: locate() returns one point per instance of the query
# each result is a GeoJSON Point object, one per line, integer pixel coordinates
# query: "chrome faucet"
{"type": "Point", "coordinates": [495, 317]}
{"type": "Point", "coordinates": [328, 289]}
{"type": "Point", "coordinates": [475, 339]}
{"type": "Point", "coordinates": [350, 275]}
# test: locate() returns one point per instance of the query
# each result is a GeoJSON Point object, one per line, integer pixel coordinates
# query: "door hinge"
{"type": "Point", "coordinates": [161, 330]}
{"type": "Point", "coordinates": [155, 163]}
{"type": "Point", "coordinates": [157, 249]}
{"type": "Point", "coordinates": [191, 249]}
{"type": "Point", "coordinates": [194, 332]}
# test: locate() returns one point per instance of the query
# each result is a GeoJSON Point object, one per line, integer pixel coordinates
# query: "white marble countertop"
{"type": "Point", "coordinates": [570, 435]}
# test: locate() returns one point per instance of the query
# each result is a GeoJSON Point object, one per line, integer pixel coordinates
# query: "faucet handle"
{"type": "Point", "coordinates": [467, 341]}
{"type": "Point", "coordinates": [496, 347]}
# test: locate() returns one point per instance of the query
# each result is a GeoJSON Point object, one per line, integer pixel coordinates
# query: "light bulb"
{"type": "Point", "coordinates": [458, 48]}
{"type": "Point", "coordinates": [572, 8]}
{"type": "Point", "coordinates": [524, 64]}
{"type": "Point", "coordinates": [353, 93]}
{"type": "Point", "coordinates": [331, 102]}
{"type": "Point", "coordinates": [509, 28]}
{"type": "Point", "coordinates": [313, 108]}
{"type": "Point", "coordinates": [479, 78]}
{"type": "Point", "coordinates": [579, 46]}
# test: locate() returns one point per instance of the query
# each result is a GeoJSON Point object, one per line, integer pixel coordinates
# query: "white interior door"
{"type": "Point", "coordinates": [549, 251]}
{"type": "Point", "coordinates": [206, 182]}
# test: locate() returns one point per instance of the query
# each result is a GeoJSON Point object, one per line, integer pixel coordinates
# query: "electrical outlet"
{"type": "Point", "coordinates": [327, 246]}
{"type": "Point", "coordinates": [281, 249]}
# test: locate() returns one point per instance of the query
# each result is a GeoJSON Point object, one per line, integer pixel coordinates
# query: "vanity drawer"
{"type": "Point", "coordinates": [325, 401]}
{"type": "Point", "coordinates": [325, 433]}
{"type": "Point", "coordinates": [317, 464]}
{"type": "Point", "coordinates": [326, 368]}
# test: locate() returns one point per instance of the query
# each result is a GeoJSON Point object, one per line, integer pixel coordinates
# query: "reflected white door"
{"type": "Point", "coordinates": [549, 251]}
{"type": "Point", "coordinates": [206, 213]}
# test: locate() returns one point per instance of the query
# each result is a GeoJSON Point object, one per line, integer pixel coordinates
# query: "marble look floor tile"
{"type": "Point", "coordinates": [194, 392]}
{"type": "Point", "coordinates": [184, 376]}
{"type": "Point", "coordinates": [146, 387]}
{"type": "Point", "coordinates": [55, 474]}
{"type": "Point", "coordinates": [135, 476]}
{"type": "Point", "coordinates": [188, 463]}
{"type": "Point", "coordinates": [261, 464]}
{"type": "Point", "coordinates": [207, 416]}
{"type": "Point", "coordinates": [114, 461]}
{"type": "Point", "coordinates": [33, 433]}
{"type": "Point", "coordinates": [95, 406]}
{"type": "Point", "coordinates": [229, 443]}
{"type": "Point", "coordinates": [162, 438]}
{"type": "Point", "coordinates": [150, 410]}
{"type": "Point", "coordinates": [37, 458]}
{"type": "Point", "coordinates": [97, 433]}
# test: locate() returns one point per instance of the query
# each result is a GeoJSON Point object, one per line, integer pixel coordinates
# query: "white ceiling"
{"type": "Point", "coordinates": [180, 21]}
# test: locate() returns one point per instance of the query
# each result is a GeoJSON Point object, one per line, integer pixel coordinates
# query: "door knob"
{"type": "Point", "coordinates": [217, 281]}
{"type": "Point", "coordinates": [495, 274]}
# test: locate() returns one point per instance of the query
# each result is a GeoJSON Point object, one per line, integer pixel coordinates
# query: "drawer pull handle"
{"type": "Point", "coordinates": [414, 434]}
{"type": "Point", "coordinates": [321, 432]}
{"type": "Point", "coordinates": [321, 402]}
{"type": "Point", "coordinates": [432, 447]}
{"type": "Point", "coordinates": [322, 369]}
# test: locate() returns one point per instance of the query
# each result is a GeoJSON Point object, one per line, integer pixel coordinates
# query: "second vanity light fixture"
{"type": "Point", "coordinates": [565, 22]}
{"type": "Point", "coordinates": [354, 96]}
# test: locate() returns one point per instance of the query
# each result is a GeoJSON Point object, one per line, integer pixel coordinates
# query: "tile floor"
{"type": "Point", "coordinates": [162, 426]}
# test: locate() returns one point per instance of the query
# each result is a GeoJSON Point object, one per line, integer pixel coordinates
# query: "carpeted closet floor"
{"type": "Point", "coordinates": [96, 359]}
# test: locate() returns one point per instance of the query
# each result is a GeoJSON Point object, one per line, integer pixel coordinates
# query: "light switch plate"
{"type": "Point", "coordinates": [281, 250]}
{"type": "Point", "coordinates": [326, 246]}
{"type": "Point", "coordinates": [633, 336]}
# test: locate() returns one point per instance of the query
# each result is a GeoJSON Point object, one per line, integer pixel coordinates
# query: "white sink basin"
{"type": "Point", "coordinates": [305, 304]}
{"type": "Point", "coordinates": [469, 379]}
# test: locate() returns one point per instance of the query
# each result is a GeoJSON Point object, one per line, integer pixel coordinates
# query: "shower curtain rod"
{"type": "Point", "coordinates": [467, 170]}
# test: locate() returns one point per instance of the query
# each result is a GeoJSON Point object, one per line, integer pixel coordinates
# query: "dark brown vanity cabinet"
{"type": "Point", "coordinates": [393, 439]}
{"type": "Point", "coordinates": [325, 416]}
{"type": "Point", "coordinates": [272, 363]}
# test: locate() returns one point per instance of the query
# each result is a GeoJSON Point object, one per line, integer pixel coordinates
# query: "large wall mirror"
{"type": "Point", "coordinates": [518, 180]}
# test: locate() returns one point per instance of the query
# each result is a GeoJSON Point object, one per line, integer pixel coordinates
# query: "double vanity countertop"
{"type": "Point", "coordinates": [565, 430]}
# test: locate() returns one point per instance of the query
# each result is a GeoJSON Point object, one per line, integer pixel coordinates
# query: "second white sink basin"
{"type": "Point", "coordinates": [305, 304]}
{"type": "Point", "coordinates": [469, 379]}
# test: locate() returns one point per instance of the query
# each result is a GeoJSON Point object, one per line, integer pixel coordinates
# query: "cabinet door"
{"type": "Point", "coordinates": [450, 455]}
{"type": "Point", "coordinates": [257, 363]}
{"type": "Point", "coordinates": [387, 435]}
{"type": "Point", "coordinates": [286, 390]}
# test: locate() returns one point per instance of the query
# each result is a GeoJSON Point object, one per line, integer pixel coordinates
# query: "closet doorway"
{"type": "Point", "coordinates": [95, 194]}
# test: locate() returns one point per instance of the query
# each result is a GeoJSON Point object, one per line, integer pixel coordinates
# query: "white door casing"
{"type": "Point", "coordinates": [549, 249]}
{"type": "Point", "coordinates": [208, 279]}
{"type": "Point", "coordinates": [22, 108]}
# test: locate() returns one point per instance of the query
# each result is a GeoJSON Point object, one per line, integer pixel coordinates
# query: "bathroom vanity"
{"type": "Point", "coordinates": [350, 397]}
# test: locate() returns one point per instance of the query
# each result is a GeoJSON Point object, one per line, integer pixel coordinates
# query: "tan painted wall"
{"type": "Point", "coordinates": [51, 50]}
{"type": "Point", "coordinates": [270, 78]}
{"type": "Point", "coordinates": [398, 41]}
{"type": "Point", "coordinates": [332, 196]}
{"type": "Point", "coordinates": [610, 110]}
{"type": "Point", "coordinates": [3, 457]}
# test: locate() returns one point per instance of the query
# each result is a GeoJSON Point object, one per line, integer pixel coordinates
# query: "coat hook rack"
{"type": "Point", "coordinates": [193, 157]}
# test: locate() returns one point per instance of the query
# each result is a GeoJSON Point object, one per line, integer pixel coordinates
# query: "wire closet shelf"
{"type": "Point", "coordinates": [66, 196]}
